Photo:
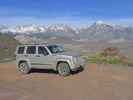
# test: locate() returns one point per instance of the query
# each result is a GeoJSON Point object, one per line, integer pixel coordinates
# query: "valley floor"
{"type": "Point", "coordinates": [95, 82]}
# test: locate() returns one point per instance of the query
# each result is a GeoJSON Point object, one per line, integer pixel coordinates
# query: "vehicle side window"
{"type": "Point", "coordinates": [21, 50]}
{"type": "Point", "coordinates": [31, 50]}
{"type": "Point", "coordinates": [42, 50]}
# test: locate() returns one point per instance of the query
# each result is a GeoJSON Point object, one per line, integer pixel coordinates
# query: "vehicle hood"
{"type": "Point", "coordinates": [73, 54]}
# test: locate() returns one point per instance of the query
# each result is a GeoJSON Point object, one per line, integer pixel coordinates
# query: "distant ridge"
{"type": "Point", "coordinates": [97, 31]}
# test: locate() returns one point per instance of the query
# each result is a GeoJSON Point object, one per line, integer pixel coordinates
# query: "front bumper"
{"type": "Point", "coordinates": [77, 68]}
{"type": "Point", "coordinates": [79, 65]}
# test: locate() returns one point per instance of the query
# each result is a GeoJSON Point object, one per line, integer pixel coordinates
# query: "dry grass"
{"type": "Point", "coordinates": [108, 56]}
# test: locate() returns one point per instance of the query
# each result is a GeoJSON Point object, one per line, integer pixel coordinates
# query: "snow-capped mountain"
{"type": "Point", "coordinates": [27, 29]}
{"type": "Point", "coordinates": [97, 31]}
{"type": "Point", "coordinates": [37, 29]}
{"type": "Point", "coordinates": [60, 28]}
{"type": "Point", "coordinates": [104, 31]}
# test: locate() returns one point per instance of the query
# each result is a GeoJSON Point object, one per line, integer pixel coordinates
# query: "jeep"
{"type": "Point", "coordinates": [36, 56]}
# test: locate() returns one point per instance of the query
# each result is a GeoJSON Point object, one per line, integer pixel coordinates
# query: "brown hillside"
{"type": "Point", "coordinates": [7, 46]}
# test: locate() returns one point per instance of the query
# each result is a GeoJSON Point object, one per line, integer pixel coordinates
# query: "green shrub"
{"type": "Point", "coordinates": [101, 58]}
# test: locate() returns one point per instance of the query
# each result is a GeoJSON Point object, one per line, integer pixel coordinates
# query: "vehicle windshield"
{"type": "Point", "coordinates": [55, 48]}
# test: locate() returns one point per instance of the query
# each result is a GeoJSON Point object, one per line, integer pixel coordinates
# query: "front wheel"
{"type": "Point", "coordinates": [63, 69]}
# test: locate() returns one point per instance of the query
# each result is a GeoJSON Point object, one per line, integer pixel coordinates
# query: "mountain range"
{"type": "Point", "coordinates": [97, 31]}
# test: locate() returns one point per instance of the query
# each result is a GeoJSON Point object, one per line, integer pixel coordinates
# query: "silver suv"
{"type": "Point", "coordinates": [47, 57]}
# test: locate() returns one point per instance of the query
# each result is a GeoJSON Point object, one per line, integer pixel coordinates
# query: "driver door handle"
{"type": "Point", "coordinates": [37, 56]}
{"type": "Point", "coordinates": [26, 55]}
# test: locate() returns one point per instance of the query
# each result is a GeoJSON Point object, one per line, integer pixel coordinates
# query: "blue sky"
{"type": "Point", "coordinates": [74, 12]}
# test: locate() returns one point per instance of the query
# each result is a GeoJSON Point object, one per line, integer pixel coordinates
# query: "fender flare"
{"type": "Point", "coordinates": [25, 60]}
{"type": "Point", "coordinates": [64, 60]}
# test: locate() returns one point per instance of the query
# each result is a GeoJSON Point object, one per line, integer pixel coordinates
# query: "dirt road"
{"type": "Point", "coordinates": [96, 82]}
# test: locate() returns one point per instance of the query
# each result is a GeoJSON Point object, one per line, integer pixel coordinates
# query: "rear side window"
{"type": "Point", "coordinates": [42, 50]}
{"type": "Point", "coordinates": [31, 50]}
{"type": "Point", "coordinates": [21, 50]}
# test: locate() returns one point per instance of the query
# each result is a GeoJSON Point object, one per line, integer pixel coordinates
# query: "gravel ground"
{"type": "Point", "coordinates": [95, 82]}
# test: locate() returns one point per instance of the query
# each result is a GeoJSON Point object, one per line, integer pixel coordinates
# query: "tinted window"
{"type": "Point", "coordinates": [42, 50]}
{"type": "Point", "coordinates": [31, 50]}
{"type": "Point", "coordinates": [20, 50]}
{"type": "Point", "coordinates": [55, 48]}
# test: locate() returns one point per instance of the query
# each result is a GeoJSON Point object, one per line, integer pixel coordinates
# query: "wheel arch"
{"type": "Point", "coordinates": [22, 60]}
{"type": "Point", "coordinates": [62, 61]}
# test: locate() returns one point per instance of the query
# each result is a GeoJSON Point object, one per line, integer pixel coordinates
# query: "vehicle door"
{"type": "Point", "coordinates": [44, 59]}
{"type": "Point", "coordinates": [30, 54]}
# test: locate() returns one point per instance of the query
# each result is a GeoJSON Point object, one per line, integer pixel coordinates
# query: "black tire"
{"type": "Point", "coordinates": [24, 68]}
{"type": "Point", "coordinates": [63, 69]}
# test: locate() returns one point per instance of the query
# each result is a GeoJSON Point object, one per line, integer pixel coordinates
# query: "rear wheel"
{"type": "Point", "coordinates": [24, 68]}
{"type": "Point", "coordinates": [63, 69]}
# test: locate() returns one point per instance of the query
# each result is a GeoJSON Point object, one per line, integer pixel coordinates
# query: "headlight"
{"type": "Point", "coordinates": [75, 60]}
